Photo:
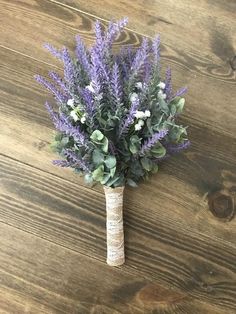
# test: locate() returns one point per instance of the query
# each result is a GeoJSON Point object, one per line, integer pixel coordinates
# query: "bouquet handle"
{"type": "Point", "coordinates": [114, 225]}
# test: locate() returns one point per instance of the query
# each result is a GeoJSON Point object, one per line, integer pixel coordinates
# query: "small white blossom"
{"type": "Point", "coordinates": [70, 102]}
{"type": "Point", "coordinates": [137, 127]}
{"type": "Point", "coordinates": [90, 88]}
{"type": "Point", "coordinates": [162, 85]}
{"type": "Point", "coordinates": [139, 85]}
{"type": "Point", "coordinates": [83, 119]}
{"type": "Point", "coordinates": [147, 113]}
{"type": "Point", "coordinates": [139, 114]}
{"type": "Point", "coordinates": [73, 114]}
{"type": "Point", "coordinates": [161, 94]}
{"type": "Point", "coordinates": [141, 122]}
{"type": "Point", "coordinates": [133, 97]}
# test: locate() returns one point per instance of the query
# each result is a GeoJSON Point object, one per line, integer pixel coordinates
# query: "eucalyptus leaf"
{"type": "Point", "coordinates": [96, 136]}
{"type": "Point", "coordinates": [110, 161]}
{"type": "Point", "coordinates": [105, 144]}
{"type": "Point", "coordinates": [146, 163]}
{"type": "Point", "coordinates": [97, 157]}
{"type": "Point", "coordinates": [98, 173]}
{"type": "Point", "coordinates": [132, 183]}
{"type": "Point", "coordinates": [112, 172]}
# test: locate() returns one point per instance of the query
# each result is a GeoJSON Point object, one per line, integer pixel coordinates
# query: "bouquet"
{"type": "Point", "coordinates": [116, 119]}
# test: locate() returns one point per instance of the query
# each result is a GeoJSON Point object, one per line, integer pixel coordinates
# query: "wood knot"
{"type": "Point", "coordinates": [221, 204]}
{"type": "Point", "coordinates": [232, 63]}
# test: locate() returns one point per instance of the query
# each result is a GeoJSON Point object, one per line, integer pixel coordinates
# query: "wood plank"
{"type": "Point", "coordinates": [61, 212]}
{"type": "Point", "coordinates": [212, 91]}
{"type": "Point", "coordinates": [40, 277]}
{"type": "Point", "coordinates": [212, 23]}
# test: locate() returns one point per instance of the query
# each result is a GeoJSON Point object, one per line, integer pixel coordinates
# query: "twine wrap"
{"type": "Point", "coordinates": [114, 225]}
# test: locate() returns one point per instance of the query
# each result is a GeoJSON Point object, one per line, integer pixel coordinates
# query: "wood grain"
{"type": "Point", "coordinates": [180, 226]}
{"type": "Point", "coordinates": [206, 27]}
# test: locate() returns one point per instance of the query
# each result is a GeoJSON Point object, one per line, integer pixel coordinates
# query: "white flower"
{"type": "Point", "coordinates": [73, 114]}
{"type": "Point", "coordinates": [161, 94]}
{"type": "Point", "coordinates": [133, 97]}
{"type": "Point", "coordinates": [137, 127]}
{"type": "Point", "coordinates": [141, 122]}
{"type": "Point", "coordinates": [147, 113]}
{"type": "Point", "coordinates": [162, 85]}
{"type": "Point", "coordinates": [90, 88]}
{"type": "Point", "coordinates": [139, 114]}
{"type": "Point", "coordinates": [70, 102]}
{"type": "Point", "coordinates": [139, 85]}
{"type": "Point", "coordinates": [83, 119]}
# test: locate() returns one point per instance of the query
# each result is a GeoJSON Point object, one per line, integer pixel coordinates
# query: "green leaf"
{"type": "Point", "coordinates": [88, 178]}
{"type": "Point", "coordinates": [97, 157]}
{"type": "Point", "coordinates": [158, 151]}
{"type": "Point", "coordinates": [180, 105]}
{"type": "Point", "coordinates": [110, 161]}
{"type": "Point", "coordinates": [155, 168]}
{"type": "Point", "coordinates": [96, 136]}
{"type": "Point", "coordinates": [134, 144]}
{"type": "Point", "coordinates": [105, 179]}
{"type": "Point", "coordinates": [98, 173]}
{"type": "Point", "coordinates": [147, 164]}
{"type": "Point", "coordinates": [132, 183]}
{"type": "Point", "coordinates": [105, 144]}
{"type": "Point", "coordinates": [112, 172]}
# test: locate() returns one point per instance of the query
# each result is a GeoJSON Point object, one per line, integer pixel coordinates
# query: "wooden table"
{"type": "Point", "coordinates": [180, 227]}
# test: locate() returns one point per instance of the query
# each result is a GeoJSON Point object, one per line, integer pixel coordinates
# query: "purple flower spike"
{"type": "Point", "coordinates": [148, 144]}
{"type": "Point", "coordinates": [129, 118]}
{"type": "Point", "coordinates": [63, 124]}
{"type": "Point", "coordinates": [180, 92]}
{"type": "Point", "coordinates": [176, 148]}
{"type": "Point", "coordinates": [56, 53]}
{"type": "Point", "coordinates": [76, 160]}
{"type": "Point", "coordinates": [58, 80]}
{"type": "Point", "coordinates": [69, 69]}
{"type": "Point", "coordinates": [61, 98]}
{"type": "Point", "coordinates": [168, 88]}
{"type": "Point", "coordinates": [82, 55]}
{"type": "Point", "coordinates": [116, 84]}
{"type": "Point", "coordinates": [62, 163]}
{"type": "Point", "coordinates": [156, 50]}
{"type": "Point", "coordinates": [140, 59]}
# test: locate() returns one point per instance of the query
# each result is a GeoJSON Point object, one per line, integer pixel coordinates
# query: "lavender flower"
{"type": "Point", "coordinates": [180, 92]}
{"type": "Point", "coordinates": [116, 84]}
{"type": "Point", "coordinates": [63, 124]}
{"type": "Point", "coordinates": [168, 88]}
{"type": "Point", "coordinates": [129, 117]}
{"type": "Point", "coordinates": [56, 53]}
{"type": "Point", "coordinates": [156, 51]}
{"type": "Point", "coordinates": [58, 80]}
{"type": "Point", "coordinates": [76, 160]}
{"type": "Point", "coordinates": [149, 143]}
{"type": "Point", "coordinates": [88, 100]}
{"type": "Point", "coordinates": [60, 97]}
{"type": "Point", "coordinates": [62, 163]}
{"type": "Point", "coordinates": [113, 30]}
{"type": "Point", "coordinates": [139, 60]}
{"type": "Point", "coordinates": [176, 148]}
{"type": "Point", "coordinates": [83, 57]}
{"type": "Point", "coordinates": [69, 69]}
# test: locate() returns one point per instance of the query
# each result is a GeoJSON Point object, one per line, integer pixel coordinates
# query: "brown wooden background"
{"type": "Point", "coordinates": [180, 227]}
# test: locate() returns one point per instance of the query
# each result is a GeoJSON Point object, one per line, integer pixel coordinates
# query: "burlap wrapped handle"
{"type": "Point", "coordinates": [114, 225]}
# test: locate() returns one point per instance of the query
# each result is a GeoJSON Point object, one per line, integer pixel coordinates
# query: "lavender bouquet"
{"type": "Point", "coordinates": [115, 118]}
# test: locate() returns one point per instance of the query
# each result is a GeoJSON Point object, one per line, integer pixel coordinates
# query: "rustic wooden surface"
{"type": "Point", "coordinates": [180, 227]}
